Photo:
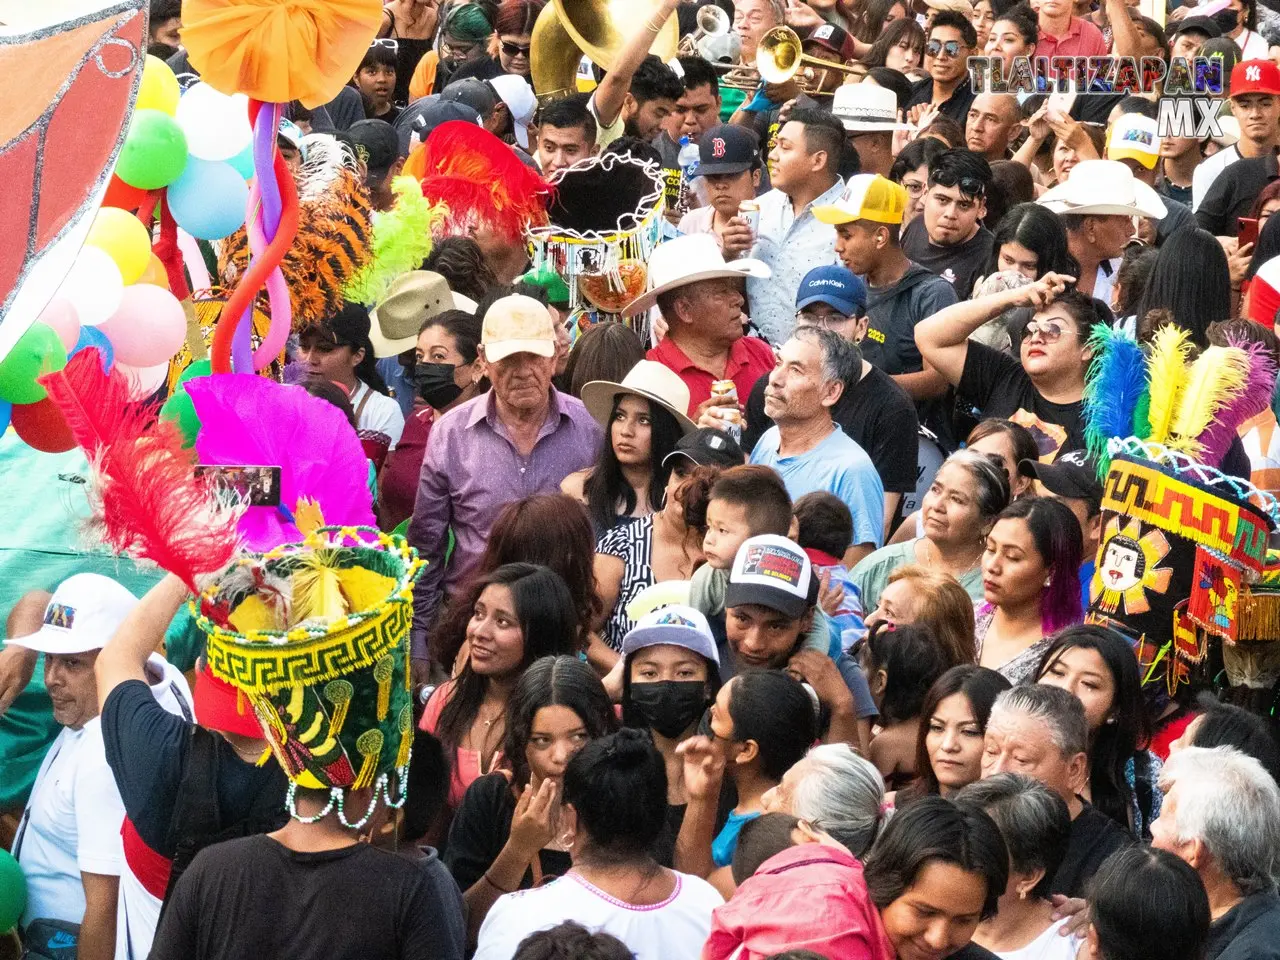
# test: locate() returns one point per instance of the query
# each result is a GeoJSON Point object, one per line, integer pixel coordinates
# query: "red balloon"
{"type": "Point", "coordinates": [41, 426]}
{"type": "Point", "coordinates": [120, 194]}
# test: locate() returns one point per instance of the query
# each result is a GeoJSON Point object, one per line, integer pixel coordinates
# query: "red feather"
{"type": "Point", "coordinates": [152, 505]}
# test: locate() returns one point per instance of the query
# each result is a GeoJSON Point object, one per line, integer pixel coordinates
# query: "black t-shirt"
{"type": "Point", "coordinates": [876, 413]}
{"type": "Point", "coordinates": [480, 830]}
{"type": "Point", "coordinates": [1233, 193]}
{"type": "Point", "coordinates": [999, 387]}
{"type": "Point", "coordinates": [1171, 191]}
{"type": "Point", "coordinates": [956, 106]}
{"type": "Point", "coordinates": [255, 898]}
{"type": "Point", "coordinates": [960, 265]}
{"type": "Point", "coordinates": [1094, 837]}
{"type": "Point", "coordinates": [146, 747]}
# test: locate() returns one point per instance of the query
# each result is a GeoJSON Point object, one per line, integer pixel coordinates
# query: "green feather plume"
{"type": "Point", "coordinates": [402, 239]}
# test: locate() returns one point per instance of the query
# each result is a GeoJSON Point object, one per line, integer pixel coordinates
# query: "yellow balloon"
{"type": "Point", "coordinates": [155, 274]}
{"type": "Point", "coordinates": [121, 236]}
{"type": "Point", "coordinates": [159, 89]}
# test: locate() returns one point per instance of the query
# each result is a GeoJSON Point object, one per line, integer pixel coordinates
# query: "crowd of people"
{"type": "Point", "coordinates": [760, 614]}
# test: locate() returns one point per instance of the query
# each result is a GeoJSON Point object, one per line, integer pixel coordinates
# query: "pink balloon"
{"type": "Point", "coordinates": [61, 315]}
{"type": "Point", "coordinates": [148, 327]}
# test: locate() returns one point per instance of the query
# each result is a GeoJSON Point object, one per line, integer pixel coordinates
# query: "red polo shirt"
{"type": "Point", "coordinates": [1083, 39]}
{"type": "Point", "coordinates": [750, 358]}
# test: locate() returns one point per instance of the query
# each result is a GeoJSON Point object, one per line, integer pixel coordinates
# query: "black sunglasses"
{"type": "Point", "coordinates": [969, 186]}
{"type": "Point", "coordinates": [951, 48]}
{"type": "Point", "coordinates": [515, 49]}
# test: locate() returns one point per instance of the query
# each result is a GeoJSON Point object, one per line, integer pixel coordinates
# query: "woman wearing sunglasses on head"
{"type": "Point", "coordinates": [1043, 388]}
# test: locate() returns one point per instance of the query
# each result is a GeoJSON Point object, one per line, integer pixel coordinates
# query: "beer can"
{"type": "Point", "coordinates": [749, 210]}
{"type": "Point", "coordinates": [731, 417]}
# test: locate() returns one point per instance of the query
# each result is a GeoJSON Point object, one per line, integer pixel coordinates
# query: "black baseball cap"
{"type": "Point", "coordinates": [1073, 475]}
{"type": "Point", "coordinates": [708, 447]}
{"type": "Point", "coordinates": [728, 149]}
{"type": "Point", "coordinates": [1204, 25]}
{"type": "Point", "coordinates": [377, 142]}
{"type": "Point", "coordinates": [424, 115]}
{"type": "Point", "coordinates": [474, 92]}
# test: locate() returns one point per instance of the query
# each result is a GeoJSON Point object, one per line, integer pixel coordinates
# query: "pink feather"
{"type": "Point", "coordinates": [1253, 399]}
{"type": "Point", "coordinates": [253, 421]}
{"type": "Point", "coordinates": [152, 505]}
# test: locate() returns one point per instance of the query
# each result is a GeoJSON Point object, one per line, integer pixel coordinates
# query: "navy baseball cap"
{"type": "Point", "coordinates": [835, 286]}
{"type": "Point", "coordinates": [727, 149]}
{"type": "Point", "coordinates": [424, 115]}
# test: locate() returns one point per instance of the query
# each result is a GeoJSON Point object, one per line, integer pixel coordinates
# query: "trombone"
{"type": "Point", "coordinates": [780, 57]}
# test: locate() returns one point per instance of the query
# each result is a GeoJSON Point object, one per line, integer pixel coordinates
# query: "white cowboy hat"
{"type": "Point", "coordinates": [866, 108]}
{"type": "Point", "coordinates": [1104, 188]}
{"type": "Point", "coordinates": [654, 381]}
{"type": "Point", "coordinates": [686, 260]}
{"type": "Point", "coordinates": [412, 299]}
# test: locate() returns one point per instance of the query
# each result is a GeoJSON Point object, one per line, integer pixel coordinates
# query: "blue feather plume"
{"type": "Point", "coordinates": [1117, 379]}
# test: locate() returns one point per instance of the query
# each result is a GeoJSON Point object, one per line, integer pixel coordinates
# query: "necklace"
{"type": "Point", "coordinates": [936, 558]}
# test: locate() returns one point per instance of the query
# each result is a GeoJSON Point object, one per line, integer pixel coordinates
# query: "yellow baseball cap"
{"type": "Point", "coordinates": [867, 196]}
{"type": "Point", "coordinates": [1134, 137]}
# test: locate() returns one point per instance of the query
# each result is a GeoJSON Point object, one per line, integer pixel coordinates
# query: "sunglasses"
{"type": "Point", "coordinates": [969, 186]}
{"type": "Point", "coordinates": [1048, 331]}
{"type": "Point", "coordinates": [951, 48]}
{"type": "Point", "coordinates": [387, 42]}
{"type": "Point", "coordinates": [515, 49]}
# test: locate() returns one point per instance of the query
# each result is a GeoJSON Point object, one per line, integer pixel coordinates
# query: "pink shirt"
{"type": "Point", "coordinates": [465, 763]}
{"type": "Point", "coordinates": [1083, 39]}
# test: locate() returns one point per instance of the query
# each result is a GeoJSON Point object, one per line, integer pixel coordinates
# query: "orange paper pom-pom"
{"type": "Point", "coordinates": [279, 50]}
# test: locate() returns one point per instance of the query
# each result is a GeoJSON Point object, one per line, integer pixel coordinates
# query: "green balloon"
{"type": "Point", "coordinates": [38, 351]}
{"type": "Point", "coordinates": [201, 368]}
{"type": "Point", "coordinates": [13, 892]}
{"type": "Point", "coordinates": [154, 152]}
{"type": "Point", "coordinates": [182, 411]}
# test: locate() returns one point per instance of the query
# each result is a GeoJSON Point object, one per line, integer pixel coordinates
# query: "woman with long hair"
{"type": "Point", "coordinates": [643, 417]}
{"type": "Point", "coordinates": [919, 596]}
{"type": "Point", "coordinates": [1030, 585]}
{"type": "Point", "coordinates": [900, 664]}
{"type": "Point", "coordinates": [954, 715]}
{"type": "Point", "coordinates": [967, 493]}
{"type": "Point", "coordinates": [1195, 298]}
{"type": "Point", "coordinates": [900, 47]}
{"type": "Point", "coordinates": [878, 14]}
{"type": "Point", "coordinates": [507, 833]}
{"type": "Point", "coordinates": [1032, 241]}
{"type": "Point", "coordinates": [1100, 668]}
{"type": "Point", "coordinates": [513, 30]}
{"type": "Point", "coordinates": [614, 805]}
{"type": "Point", "coordinates": [520, 613]}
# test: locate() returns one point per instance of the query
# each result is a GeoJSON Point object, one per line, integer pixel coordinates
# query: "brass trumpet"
{"type": "Point", "coordinates": [712, 22]}
{"type": "Point", "coordinates": [780, 57]}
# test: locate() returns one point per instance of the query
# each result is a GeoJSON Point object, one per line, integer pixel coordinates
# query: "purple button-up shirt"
{"type": "Point", "coordinates": [471, 470]}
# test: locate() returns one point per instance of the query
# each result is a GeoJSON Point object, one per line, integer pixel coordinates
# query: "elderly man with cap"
{"type": "Point", "coordinates": [869, 114]}
{"type": "Point", "coordinates": [522, 437]}
{"type": "Point", "coordinates": [701, 301]}
{"type": "Point", "coordinates": [728, 172]}
{"type": "Point", "coordinates": [1073, 479]}
{"type": "Point", "coordinates": [1255, 104]}
{"type": "Point", "coordinates": [69, 840]}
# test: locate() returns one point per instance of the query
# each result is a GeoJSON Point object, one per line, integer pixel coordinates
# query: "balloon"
{"type": "Point", "coordinates": [216, 125]}
{"type": "Point", "coordinates": [93, 286]}
{"type": "Point", "coordinates": [159, 89]}
{"type": "Point", "coordinates": [148, 328]}
{"type": "Point", "coordinates": [42, 427]}
{"type": "Point", "coordinates": [154, 151]}
{"type": "Point", "coordinates": [120, 194]}
{"type": "Point", "coordinates": [145, 381]}
{"type": "Point", "coordinates": [95, 339]}
{"type": "Point", "coordinates": [37, 352]}
{"type": "Point", "coordinates": [155, 274]}
{"type": "Point", "coordinates": [243, 162]}
{"type": "Point", "coordinates": [13, 892]}
{"type": "Point", "coordinates": [201, 368]}
{"type": "Point", "coordinates": [60, 315]}
{"type": "Point", "coordinates": [208, 200]}
{"type": "Point", "coordinates": [125, 240]}
{"type": "Point", "coordinates": [182, 411]}
{"type": "Point", "coordinates": [6, 410]}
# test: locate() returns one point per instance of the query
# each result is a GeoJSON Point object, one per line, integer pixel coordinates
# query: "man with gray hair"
{"type": "Point", "coordinates": [806, 446]}
{"type": "Point", "coordinates": [1221, 815]}
{"type": "Point", "coordinates": [1040, 732]}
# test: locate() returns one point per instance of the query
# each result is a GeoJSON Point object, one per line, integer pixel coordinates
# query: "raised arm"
{"type": "Point", "coordinates": [613, 89]}
{"type": "Point", "coordinates": [125, 656]}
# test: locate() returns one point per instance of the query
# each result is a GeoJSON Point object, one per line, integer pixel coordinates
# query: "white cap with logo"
{"type": "Point", "coordinates": [84, 613]}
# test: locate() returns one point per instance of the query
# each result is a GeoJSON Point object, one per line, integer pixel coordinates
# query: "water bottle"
{"type": "Point", "coordinates": [687, 159]}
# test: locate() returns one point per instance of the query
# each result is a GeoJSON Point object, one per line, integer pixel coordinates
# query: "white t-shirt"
{"type": "Point", "coordinates": [71, 825]}
{"type": "Point", "coordinates": [1207, 171]}
{"type": "Point", "coordinates": [1048, 946]}
{"type": "Point", "coordinates": [1252, 45]}
{"type": "Point", "coordinates": [377, 414]}
{"type": "Point", "coordinates": [672, 930]}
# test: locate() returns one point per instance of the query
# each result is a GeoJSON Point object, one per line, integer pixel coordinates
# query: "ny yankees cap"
{"type": "Point", "coordinates": [1255, 76]}
{"type": "Point", "coordinates": [727, 149]}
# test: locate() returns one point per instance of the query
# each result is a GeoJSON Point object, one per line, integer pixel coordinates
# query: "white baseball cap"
{"type": "Point", "coordinates": [774, 572]}
{"type": "Point", "coordinates": [675, 625]}
{"type": "Point", "coordinates": [522, 104]}
{"type": "Point", "coordinates": [84, 613]}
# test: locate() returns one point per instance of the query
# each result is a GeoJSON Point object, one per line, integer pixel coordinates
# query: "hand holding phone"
{"type": "Point", "coordinates": [1246, 230]}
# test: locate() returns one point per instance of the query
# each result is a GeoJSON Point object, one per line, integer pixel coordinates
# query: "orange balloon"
{"type": "Point", "coordinates": [155, 274]}
{"type": "Point", "coordinates": [42, 427]}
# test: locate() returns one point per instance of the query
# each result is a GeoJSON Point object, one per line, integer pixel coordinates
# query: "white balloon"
{"type": "Point", "coordinates": [93, 286]}
{"type": "Point", "coordinates": [144, 381]}
{"type": "Point", "coordinates": [216, 125]}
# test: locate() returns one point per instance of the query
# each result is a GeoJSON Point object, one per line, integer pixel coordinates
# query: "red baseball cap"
{"type": "Point", "coordinates": [1255, 76]}
{"type": "Point", "coordinates": [220, 706]}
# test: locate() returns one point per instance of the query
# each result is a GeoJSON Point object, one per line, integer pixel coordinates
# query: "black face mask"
{"type": "Point", "coordinates": [435, 384]}
{"type": "Point", "coordinates": [669, 707]}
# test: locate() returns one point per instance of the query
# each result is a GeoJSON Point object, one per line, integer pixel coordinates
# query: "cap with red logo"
{"type": "Point", "coordinates": [727, 149]}
{"type": "Point", "coordinates": [1255, 76]}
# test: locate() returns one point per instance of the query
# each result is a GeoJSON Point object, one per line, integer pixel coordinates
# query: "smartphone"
{"type": "Point", "coordinates": [252, 485]}
{"type": "Point", "coordinates": [1246, 230]}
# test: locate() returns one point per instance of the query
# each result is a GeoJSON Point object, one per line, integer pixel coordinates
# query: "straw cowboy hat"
{"type": "Point", "coordinates": [654, 381]}
{"type": "Point", "coordinates": [690, 259]}
{"type": "Point", "coordinates": [414, 297]}
{"type": "Point", "coordinates": [1104, 188]}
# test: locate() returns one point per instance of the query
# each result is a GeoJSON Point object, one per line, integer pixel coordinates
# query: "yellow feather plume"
{"type": "Point", "coordinates": [317, 590]}
{"type": "Point", "coordinates": [1214, 380]}
{"type": "Point", "coordinates": [1170, 348]}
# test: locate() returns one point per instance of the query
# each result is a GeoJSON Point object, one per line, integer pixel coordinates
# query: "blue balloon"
{"type": "Point", "coordinates": [243, 162]}
{"type": "Point", "coordinates": [92, 337]}
{"type": "Point", "coordinates": [6, 408]}
{"type": "Point", "coordinates": [209, 199]}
